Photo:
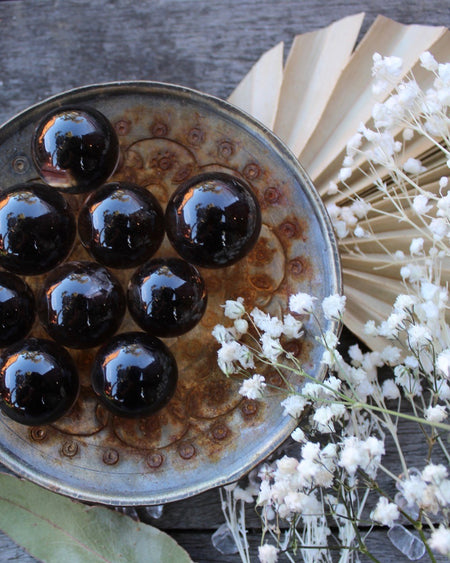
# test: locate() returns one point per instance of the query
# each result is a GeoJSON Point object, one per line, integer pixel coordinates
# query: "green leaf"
{"type": "Point", "coordinates": [53, 528]}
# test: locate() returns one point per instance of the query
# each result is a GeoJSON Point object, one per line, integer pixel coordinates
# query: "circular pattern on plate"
{"type": "Point", "coordinates": [168, 134]}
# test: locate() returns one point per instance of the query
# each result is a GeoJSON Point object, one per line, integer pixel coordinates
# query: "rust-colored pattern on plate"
{"type": "Point", "coordinates": [208, 434]}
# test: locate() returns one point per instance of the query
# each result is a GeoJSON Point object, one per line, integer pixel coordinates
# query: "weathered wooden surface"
{"type": "Point", "coordinates": [50, 46]}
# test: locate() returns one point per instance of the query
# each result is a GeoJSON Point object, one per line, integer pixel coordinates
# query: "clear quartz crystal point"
{"type": "Point", "coordinates": [406, 542]}
{"type": "Point", "coordinates": [223, 541]}
{"type": "Point", "coordinates": [155, 511]}
{"type": "Point", "coordinates": [411, 510]}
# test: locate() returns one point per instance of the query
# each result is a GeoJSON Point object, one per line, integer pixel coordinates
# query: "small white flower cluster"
{"type": "Point", "coordinates": [418, 324]}
{"type": "Point", "coordinates": [350, 409]}
{"type": "Point", "coordinates": [428, 490]}
{"type": "Point", "coordinates": [298, 489]}
{"type": "Point", "coordinates": [415, 112]}
{"type": "Point", "coordinates": [234, 356]}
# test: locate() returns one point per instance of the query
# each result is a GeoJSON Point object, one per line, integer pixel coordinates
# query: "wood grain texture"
{"type": "Point", "coordinates": [50, 46]}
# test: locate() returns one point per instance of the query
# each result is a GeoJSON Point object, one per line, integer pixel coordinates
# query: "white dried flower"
{"type": "Point", "coordinates": [434, 473]}
{"type": "Point", "coordinates": [221, 334]}
{"type": "Point", "coordinates": [407, 134]}
{"type": "Point", "coordinates": [227, 354]}
{"type": "Point", "coordinates": [370, 328]}
{"type": "Point", "coordinates": [443, 362]}
{"type": "Point", "coordinates": [294, 405]}
{"type": "Point", "coordinates": [421, 204]}
{"type": "Point", "coordinates": [404, 302]}
{"type": "Point", "coordinates": [440, 540]}
{"type": "Point", "coordinates": [298, 435]}
{"type": "Point", "coordinates": [267, 553]}
{"type": "Point", "coordinates": [439, 227]}
{"type": "Point", "coordinates": [436, 414]}
{"type": "Point", "coordinates": [253, 388]}
{"type": "Point", "coordinates": [301, 303]}
{"type": "Point", "coordinates": [330, 340]}
{"type": "Point", "coordinates": [385, 512]}
{"type": "Point", "coordinates": [333, 306]}
{"type": "Point", "coordinates": [360, 208]}
{"type": "Point", "coordinates": [341, 229]}
{"type": "Point", "coordinates": [416, 246]}
{"type": "Point", "coordinates": [271, 325]}
{"type": "Point", "coordinates": [419, 335]}
{"type": "Point", "coordinates": [242, 494]}
{"type": "Point", "coordinates": [356, 354]}
{"type": "Point", "coordinates": [234, 309]}
{"type": "Point", "coordinates": [351, 455]}
{"type": "Point", "coordinates": [390, 389]}
{"type": "Point", "coordinates": [386, 66]}
{"type": "Point", "coordinates": [428, 61]}
{"type": "Point", "coordinates": [353, 144]}
{"type": "Point", "coordinates": [413, 166]}
{"type": "Point", "coordinates": [271, 347]}
{"type": "Point", "coordinates": [332, 188]}
{"type": "Point", "coordinates": [390, 355]}
{"type": "Point", "coordinates": [292, 328]}
{"type": "Point", "coordinates": [344, 173]}
{"type": "Point", "coordinates": [443, 182]}
{"type": "Point", "coordinates": [240, 327]}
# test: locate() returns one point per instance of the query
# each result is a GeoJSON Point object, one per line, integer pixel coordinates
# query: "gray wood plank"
{"type": "Point", "coordinates": [48, 46]}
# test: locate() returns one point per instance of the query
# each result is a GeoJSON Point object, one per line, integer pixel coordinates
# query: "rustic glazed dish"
{"type": "Point", "coordinates": [208, 434]}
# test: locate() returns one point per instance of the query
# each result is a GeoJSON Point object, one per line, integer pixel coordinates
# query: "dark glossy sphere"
{"type": "Point", "coordinates": [213, 220]}
{"type": "Point", "coordinates": [134, 375]}
{"type": "Point", "coordinates": [75, 149]}
{"type": "Point", "coordinates": [38, 381]}
{"type": "Point", "coordinates": [81, 304]}
{"type": "Point", "coordinates": [121, 225]}
{"type": "Point", "coordinates": [167, 297]}
{"type": "Point", "coordinates": [37, 229]}
{"type": "Point", "coordinates": [17, 309]}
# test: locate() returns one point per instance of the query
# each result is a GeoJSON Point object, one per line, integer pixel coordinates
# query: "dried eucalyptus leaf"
{"type": "Point", "coordinates": [53, 528]}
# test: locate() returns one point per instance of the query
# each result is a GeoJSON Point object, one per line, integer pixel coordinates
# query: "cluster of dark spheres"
{"type": "Point", "coordinates": [212, 220]}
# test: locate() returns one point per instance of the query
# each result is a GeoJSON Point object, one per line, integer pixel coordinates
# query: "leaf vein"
{"type": "Point", "coordinates": [54, 525]}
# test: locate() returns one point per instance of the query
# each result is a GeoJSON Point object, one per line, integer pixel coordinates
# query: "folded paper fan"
{"type": "Point", "coordinates": [316, 103]}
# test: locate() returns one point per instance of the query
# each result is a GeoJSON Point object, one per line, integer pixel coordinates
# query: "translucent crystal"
{"type": "Point", "coordinates": [154, 511]}
{"type": "Point", "coordinates": [411, 510]}
{"type": "Point", "coordinates": [406, 542]}
{"type": "Point", "coordinates": [223, 541]}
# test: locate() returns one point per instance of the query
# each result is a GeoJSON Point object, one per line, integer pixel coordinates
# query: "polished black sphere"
{"type": "Point", "coordinates": [213, 220]}
{"type": "Point", "coordinates": [121, 225]}
{"type": "Point", "coordinates": [75, 149]}
{"type": "Point", "coordinates": [81, 304]}
{"type": "Point", "coordinates": [37, 229]}
{"type": "Point", "coordinates": [17, 309]}
{"type": "Point", "coordinates": [134, 375]}
{"type": "Point", "coordinates": [38, 382]}
{"type": "Point", "coordinates": [167, 297]}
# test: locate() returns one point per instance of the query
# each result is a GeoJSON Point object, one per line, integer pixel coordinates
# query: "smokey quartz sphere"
{"type": "Point", "coordinates": [38, 382]}
{"type": "Point", "coordinates": [167, 297]}
{"type": "Point", "coordinates": [121, 225]}
{"type": "Point", "coordinates": [37, 229]}
{"type": "Point", "coordinates": [75, 149]}
{"type": "Point", "coordinates": [81, 304]}
{"type": "Point", "coordinates": [134, 375]}
{"type": "Point", "coordinates": [213, 220]}
{"type": "Point", "coordinates": [17, 309]}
